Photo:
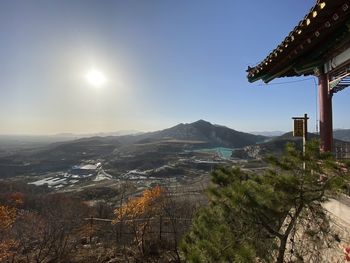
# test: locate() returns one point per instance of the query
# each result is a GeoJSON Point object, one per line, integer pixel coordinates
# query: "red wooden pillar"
{"type": "Point", "coordinates": [326, 122]}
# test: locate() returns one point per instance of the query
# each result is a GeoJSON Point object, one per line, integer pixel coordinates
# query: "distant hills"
{"type": "Point", "coordinates": [276, 146]}
{"type": "Point", "coordinates": [27, 141]}
{"type": "Point", "coordinates": [202, 130]}
{"type": "Point", "coordinates": [142, 149]}
{"type": "Point", "coordinates": [145, 148]}
{"type": "Point", "coordinates": [342, 134]}
{"type": "Point", "coordinates": [268, 133]}
{"type": "Point", "coordinates": [199, 132]}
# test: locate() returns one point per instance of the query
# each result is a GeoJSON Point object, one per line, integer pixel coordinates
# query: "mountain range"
{"type": "Point", "coordinates": [145, 146]}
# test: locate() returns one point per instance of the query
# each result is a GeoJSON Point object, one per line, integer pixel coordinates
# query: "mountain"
{"type": "Point", "coordinates": [210, 134]}
{"type": "Point", "coordinates": [342, 134]}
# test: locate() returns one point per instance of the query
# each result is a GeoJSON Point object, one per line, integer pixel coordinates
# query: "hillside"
{"type": "Point", "coordinates": [275, 146]}
{"type": "Point", "coordinates": [342, 134]}
{"type": "Point", "coordinates": [211, 134]}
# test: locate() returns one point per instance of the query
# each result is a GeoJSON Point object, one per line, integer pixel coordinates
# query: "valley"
{"type": "Point", "coordinates": [183, 155]}
{"type": "Point", "coordinates": [179, 157]}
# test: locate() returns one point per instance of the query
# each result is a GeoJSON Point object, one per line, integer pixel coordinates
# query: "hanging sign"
{"type": "Point", "coordinates": [298, 128]}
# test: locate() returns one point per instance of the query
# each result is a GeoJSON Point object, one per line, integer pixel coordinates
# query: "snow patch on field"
{"type": "Point", "coordinates": [102, 175]}
{"type": "Point", "coordinates": [51, 181]}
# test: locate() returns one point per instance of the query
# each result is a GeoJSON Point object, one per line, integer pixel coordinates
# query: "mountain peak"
{"type": "Point", "coordinates": [202, 125]}
{"type": "Point", "coordinates": [201, 121]}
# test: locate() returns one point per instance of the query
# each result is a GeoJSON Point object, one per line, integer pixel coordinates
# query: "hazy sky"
{"type": "Point", "coordinates": [165, 61]}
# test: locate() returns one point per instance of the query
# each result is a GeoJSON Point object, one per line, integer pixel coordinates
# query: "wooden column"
{"type": "Point", "coordinates": [326, 123]}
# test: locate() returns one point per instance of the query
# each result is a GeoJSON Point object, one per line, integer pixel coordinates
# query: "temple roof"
{"type": "Point", "coordinates": [323, 32]}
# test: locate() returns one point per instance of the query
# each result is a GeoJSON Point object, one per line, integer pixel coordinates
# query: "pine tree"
{"type": "Point", "coordinates": [256, 217]}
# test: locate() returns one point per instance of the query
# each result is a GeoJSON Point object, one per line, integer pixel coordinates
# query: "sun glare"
{"type": "Point", "coordinates": [95, 78]}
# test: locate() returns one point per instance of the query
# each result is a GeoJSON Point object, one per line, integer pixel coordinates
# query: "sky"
{"type": "Point", "coordinates": [165, 62]}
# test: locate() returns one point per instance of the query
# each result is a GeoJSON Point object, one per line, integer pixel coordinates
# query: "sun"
{"type": "Point", "coordinates": [95, 78]}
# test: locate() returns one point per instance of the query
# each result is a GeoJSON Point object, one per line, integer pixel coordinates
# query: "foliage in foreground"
{"type": "Point", "coordinates": [275, 216]}
{"type": "Point", "coordinates": [146, 206]}
{"type": "Point", "coordinates": [35, 228]}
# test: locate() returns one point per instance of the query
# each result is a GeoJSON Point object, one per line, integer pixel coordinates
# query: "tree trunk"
{"type": "Point", "coordinates": [284, 239]}
{"type": "Point", "coordinates": [282, 249]}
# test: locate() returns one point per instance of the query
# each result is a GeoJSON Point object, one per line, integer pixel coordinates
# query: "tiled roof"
{"type": "Point", "coordinates": [307, 45]}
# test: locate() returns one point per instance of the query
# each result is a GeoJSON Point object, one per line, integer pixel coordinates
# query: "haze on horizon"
{"type": "Point", "coordinates": [90, 66]}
